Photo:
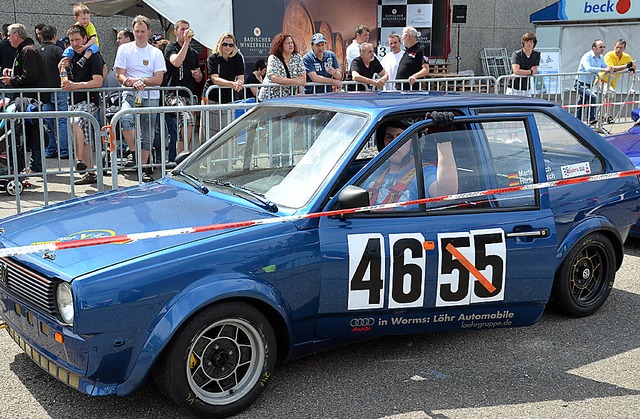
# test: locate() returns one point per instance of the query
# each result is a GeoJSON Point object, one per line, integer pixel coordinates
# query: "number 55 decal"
{"type": "Point", "coordinates": [367, 271]}
{"type": "Point", "coordinates": [472, 267]}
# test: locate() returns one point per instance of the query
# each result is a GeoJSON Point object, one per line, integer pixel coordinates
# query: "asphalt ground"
{"type": "Point", "coordinates": [559, 367]}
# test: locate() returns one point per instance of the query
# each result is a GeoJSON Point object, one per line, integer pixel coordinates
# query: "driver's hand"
{"type": "Point", "coordinates": [443, 119]}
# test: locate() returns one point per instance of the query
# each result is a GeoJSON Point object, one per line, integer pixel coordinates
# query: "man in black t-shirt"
{"type": "Point", "coordinates": [89, 76]}
{"type": "Point", "coordinates": [185, 66]}
{"type": "Point", "coordinates": [524, 62]}
{"type": "Point", "coordinates": [183, 69]}
{"type": "Point", "coordinates": [367, 69]}
{"type": "Point", "coordinates": [414, 64]}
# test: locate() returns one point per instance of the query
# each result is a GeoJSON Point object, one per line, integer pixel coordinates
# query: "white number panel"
{"type": "Point", "coordinates": [366, 271]}
{"type": "Point", "coordinates": [472, 267]}
{"type": "Point", "coordinates": [406, 287]}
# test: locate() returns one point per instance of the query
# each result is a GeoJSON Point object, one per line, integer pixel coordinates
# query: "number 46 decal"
{"type": "Point", "coordinates": [367, 271]}
{"type": "Point", "coordinates": [471, 269]}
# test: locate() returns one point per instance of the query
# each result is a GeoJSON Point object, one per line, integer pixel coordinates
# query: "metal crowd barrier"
{"type": "Point", "coordinates": [482, 84]}
{"type": "Point", "coordinates": [55, 182]}
{"type": "Point", "coordinates": [162, 111]}
{"type": "Point", "coordinates": [612, 106]}
{"type": "Point", "coordinates": [15, 157]}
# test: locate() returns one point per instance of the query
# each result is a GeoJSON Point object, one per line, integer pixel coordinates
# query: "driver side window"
{"type": "Point", "coordinates": [421, 165]}
{"type": "Point", "coordinates": [435, 162]}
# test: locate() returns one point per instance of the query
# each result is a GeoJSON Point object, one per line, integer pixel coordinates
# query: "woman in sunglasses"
{"type": "Point", "coordinates": [225, 68]}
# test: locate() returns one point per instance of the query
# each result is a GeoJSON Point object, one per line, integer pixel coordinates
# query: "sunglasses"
{"type": "Point", "coordinates": [224, 44]}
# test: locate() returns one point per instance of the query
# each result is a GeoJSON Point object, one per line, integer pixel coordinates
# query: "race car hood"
{"type": "Point", "coordinates": [162, 205]}
{"type": "Point", "coordinates": [629, 143]}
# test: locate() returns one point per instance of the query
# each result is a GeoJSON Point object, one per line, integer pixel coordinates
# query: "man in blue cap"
{"type": "Point", "coordinates": [322, 66]}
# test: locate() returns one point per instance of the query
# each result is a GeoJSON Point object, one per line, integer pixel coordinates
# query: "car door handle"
{"type": "Point", "coordinates": [544, 232]}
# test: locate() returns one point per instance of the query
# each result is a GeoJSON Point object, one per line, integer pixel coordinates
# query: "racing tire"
{"type": "Point", "coordinates": [585, 278]}
{"type": "Point", "coordinates": [13, 188]}
{"type": "Point", "coordinates": [220, 361]}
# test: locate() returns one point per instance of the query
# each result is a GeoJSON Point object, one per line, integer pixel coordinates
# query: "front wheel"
{"type": "Point", "coordinates": [585, 279]}
{"type": "Point", "coordinates": [220, 361]}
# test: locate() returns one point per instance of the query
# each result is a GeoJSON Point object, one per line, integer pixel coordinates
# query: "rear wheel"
{"type": "Point", "coordinates": [585, 279]}
{"type": "Point", "coordinates": [220, 361]}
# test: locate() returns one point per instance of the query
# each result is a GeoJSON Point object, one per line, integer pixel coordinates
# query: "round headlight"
{"type": "Point", "coordinates": [64, 301]}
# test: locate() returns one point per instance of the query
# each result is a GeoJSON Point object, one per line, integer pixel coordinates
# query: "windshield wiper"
{"type": "Point", "coordinates": [262, 201]}
{"type": "Point", "coordinates": [191, 180]}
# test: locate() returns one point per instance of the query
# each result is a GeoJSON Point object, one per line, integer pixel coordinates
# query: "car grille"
{"type": "Point", "coordinates": [28, 285]}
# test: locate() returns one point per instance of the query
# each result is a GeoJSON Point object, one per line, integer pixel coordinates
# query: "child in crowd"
{"type": "Point", "coordinates": [83, 18]}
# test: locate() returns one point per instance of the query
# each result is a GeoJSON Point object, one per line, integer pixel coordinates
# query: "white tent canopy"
{"type": "Point", "coordinates": [208, 19]}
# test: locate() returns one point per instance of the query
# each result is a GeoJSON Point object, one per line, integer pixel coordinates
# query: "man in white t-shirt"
{"type": "Point", "coordinates": [390, 61]}
{"type": "Point", "coordinates": [353, 50]}
{"type": "Point", "coordinates": [138, 65]}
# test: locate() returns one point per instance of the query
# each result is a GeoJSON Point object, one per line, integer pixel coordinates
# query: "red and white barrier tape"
{"type": "Point", "coordinates": [125, 238]}
{"type": "Point", "coordinates": [594, 105]}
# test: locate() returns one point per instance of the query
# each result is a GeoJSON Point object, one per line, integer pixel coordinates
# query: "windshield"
{"type": "Point", "coordinates": [281, 153]}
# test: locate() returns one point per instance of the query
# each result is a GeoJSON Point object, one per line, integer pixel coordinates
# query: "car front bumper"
{"type": "Point", "coordinates": [36, 335]}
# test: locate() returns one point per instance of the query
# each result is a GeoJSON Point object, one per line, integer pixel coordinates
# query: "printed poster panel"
{"type": "Point", "coordinates": [384, 37]}
{"type": "Point", "coordinates": [419, 15]}
{"type": "Point", "coordinates": [256, 22]}
{"type": "Point", "coordinates": [416, 13]}
{"type": "Point", "coordinates": [424, 37]}
{"type": "Point", "coordinates": [393, 16]}
{"type": "Point", "coordinates": [549, 64]}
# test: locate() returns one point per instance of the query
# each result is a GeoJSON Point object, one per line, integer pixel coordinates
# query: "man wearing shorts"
{"type": "Point", "coordinates": [89, 76]}
{"type": "Point", "coordinates": [140, 65]}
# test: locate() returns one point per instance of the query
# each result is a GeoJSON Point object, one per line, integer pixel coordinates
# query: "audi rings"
{"type": "Point", "coordinates": [369, 321]}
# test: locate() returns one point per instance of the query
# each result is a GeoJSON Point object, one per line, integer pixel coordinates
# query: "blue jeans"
{"type": "Point", "coordinates": [171, 131]}
{"type": "Point", "coordinates": [59, 101]}
{"type": "Point", "coordinates": [585, 95]}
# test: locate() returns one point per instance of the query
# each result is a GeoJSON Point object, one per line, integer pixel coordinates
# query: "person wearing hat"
{"type": "Point", "coordinates": [395, 180]}
{"type": "Point", "coordinates": [155, 38]}
{"type": "Point", "coordinates": [322, 66]}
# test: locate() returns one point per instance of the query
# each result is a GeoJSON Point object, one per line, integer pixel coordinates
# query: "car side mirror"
{"type": "Point", "coordinates": [182, 156]}
{"type": "Point", "coordinates": [353, 197]}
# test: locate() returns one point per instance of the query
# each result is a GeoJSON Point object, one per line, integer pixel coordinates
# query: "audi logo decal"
{"type": "Point", "coordinates": [362, 322]}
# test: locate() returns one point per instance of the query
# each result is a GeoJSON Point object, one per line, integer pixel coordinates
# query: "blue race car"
{"type": "Point", "coordinates": [629, 143]}
{"type": "Point", "coordinates": [351, 241]}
